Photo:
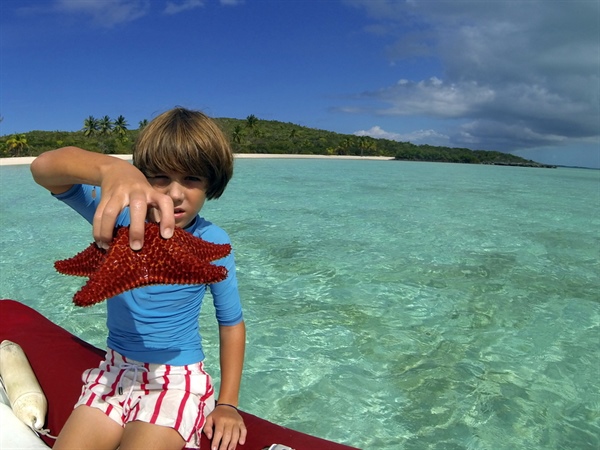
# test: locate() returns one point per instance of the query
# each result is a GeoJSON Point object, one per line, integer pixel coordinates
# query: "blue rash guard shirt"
{"type": "Point", "coordinates": [159, 323]}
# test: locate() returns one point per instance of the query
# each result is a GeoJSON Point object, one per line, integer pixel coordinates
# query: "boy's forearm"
{"type": "Point", "coordinates": [59, 169]}
{"type": "Point", "coordinates": [232, 347]}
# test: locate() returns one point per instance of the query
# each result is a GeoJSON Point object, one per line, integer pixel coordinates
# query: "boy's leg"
{"type": "Point", "coordinates": [149, 436]}
{"type": "Point", "coordinates": [89, 428]}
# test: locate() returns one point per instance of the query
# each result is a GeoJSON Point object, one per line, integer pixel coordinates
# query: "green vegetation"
{"type": "Point", "coordinates": [252, 135]}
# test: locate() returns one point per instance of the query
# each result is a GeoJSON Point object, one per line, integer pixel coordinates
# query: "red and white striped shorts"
{"type": "Point", "coordinates": [179, 397]}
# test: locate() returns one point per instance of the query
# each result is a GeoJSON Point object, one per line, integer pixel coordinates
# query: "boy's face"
{"type": "Point", "coordinates": [188, 193]}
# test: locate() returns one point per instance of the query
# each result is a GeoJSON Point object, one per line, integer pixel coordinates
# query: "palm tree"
{"type": "Point", "coordinates": [143, 124]}
{"type": "Point", "coordinates": [105, 125]}
{"type": "Point", "coordinates": [251, 120]}
{"type": "Point", "coordinates": [16, 144]}
{"type": "Point", "coordinates": [345, 146]}
{"type": "Point", "coordinates": [120, 126]}
{"type": "Point", "coordinates": [237, 134]}
{"type": "Point", "coordinates": [90, 126]}
{"type": "Point", "coordinates": [366, 144]}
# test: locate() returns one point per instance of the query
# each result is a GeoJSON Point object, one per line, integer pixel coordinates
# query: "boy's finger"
{"type": "Point", "coordinates": [164, 204]}
{"type": "Point", "coordinates": [137, 214]}
{"type": "Point", "coordinates": [243, 434]}
{"type": "Point", "coordinates": [104, 224]}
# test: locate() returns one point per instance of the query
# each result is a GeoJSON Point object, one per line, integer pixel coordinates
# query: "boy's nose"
{"type": "Point", "coordinates": [175, 191]}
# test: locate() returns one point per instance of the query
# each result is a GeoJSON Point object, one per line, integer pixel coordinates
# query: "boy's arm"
{"type": "Point", "coordinates": [224, 425]}
{"type": "Point", "coordinates": [232, 341]}
{"type": "Point", "coordinates": [122, 185]}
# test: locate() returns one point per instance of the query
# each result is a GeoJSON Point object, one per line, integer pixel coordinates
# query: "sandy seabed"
{"type": "Point", "coordinates": [27, 159]}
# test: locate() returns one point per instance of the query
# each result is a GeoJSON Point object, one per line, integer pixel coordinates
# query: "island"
{"type": "Point", "coordinates": [256, 136]}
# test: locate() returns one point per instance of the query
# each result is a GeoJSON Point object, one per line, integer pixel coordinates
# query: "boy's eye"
{"type": "Point", "coordinates": [163, 180]}
{"type": "Point", "coordinates": [158, 179]}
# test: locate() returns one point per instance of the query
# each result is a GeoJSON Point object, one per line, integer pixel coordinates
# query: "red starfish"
{"type": "Point", "coordinates": [182, 259]}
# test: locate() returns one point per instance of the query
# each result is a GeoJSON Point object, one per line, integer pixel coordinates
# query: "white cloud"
{"type": "Point", "coordinates": [430, 137]}
{"type": "Point", "coordinates": [108, 13]}
{"type": "Point", "coordinates": [519, 73]}
{"type": "Point", "coordinates": [105, 13]}
{"type": "Point", "coordinates": [379, 133]}
{"type": "Point", "coordinates": [432, 97]}
{"type": "Point", "coordinates": [491, 134]}
{"type": "Point", "coordinates": [176, 8]}
{"type": "Point", "coordinates": [187, 5]}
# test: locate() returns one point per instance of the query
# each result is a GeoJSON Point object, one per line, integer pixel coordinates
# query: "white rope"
{"type": "Point", "coordinates": [43, 432]}
{"type": "Point", "coordinates": [126, 367]}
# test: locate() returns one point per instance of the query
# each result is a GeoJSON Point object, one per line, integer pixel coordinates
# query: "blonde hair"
{"type": "Point", "coordinates": [186, 142]}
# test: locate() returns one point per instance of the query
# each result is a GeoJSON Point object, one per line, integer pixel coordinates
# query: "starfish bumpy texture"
{"type": "Point", "coordinates": [182, 259]}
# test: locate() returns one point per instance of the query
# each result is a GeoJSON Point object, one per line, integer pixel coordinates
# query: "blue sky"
{"type": "Point", "coordinates": [520, 76]}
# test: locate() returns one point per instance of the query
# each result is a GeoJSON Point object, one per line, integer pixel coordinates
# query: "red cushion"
{"type": "Point", "coordinates": [58, 359]}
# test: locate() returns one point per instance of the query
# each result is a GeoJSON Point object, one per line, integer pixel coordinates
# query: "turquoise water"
{"type": "Point", "coordinates": [389, 305]}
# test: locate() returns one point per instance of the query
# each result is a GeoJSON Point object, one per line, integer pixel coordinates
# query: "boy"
{"type": "Point", "coordinates": [151, 392]}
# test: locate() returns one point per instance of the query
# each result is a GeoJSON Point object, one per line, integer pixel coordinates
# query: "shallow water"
{"type": "Point", "coordinates": [389, 305]}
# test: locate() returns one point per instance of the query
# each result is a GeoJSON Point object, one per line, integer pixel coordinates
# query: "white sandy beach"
{"type": "Point", "coordinates": [27, 159]}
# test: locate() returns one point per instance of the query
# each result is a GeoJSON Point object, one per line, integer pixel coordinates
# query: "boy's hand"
{"type": "Point", "coordinates": [225, 427]}
{"type": "Point", "coordinates": [122, 185]}
{"type": "Point", "coordinates": [127, 186]}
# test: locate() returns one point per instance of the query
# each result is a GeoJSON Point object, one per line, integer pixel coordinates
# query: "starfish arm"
{"type": "Point", "coordinates": [187, 269]}
{"type": "Point", "coordinates": [119, 272]}
{"type": "Point", "coordinates": [97, 290]}
{"type": "Point", "coordinates": [82, 264]}
{"type": "Point", "coordinates": [201, 249]}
